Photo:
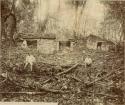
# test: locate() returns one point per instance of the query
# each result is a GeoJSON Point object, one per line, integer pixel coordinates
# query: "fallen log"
{"type": "Point", "coordinates": [48, 80]}
{"type": "Point", "coordinates": [103, 94]}
{"type": "Point", "coordinates": [39, 88]}
{"type": "Point", "coordinates": [6, 78]}
{"type": "Point", "coordinates": [96, 80]}
{"type": "Point", "coordinates": [75, 78]}
{"type": "Point", "coordinates": [3, 81]}
{"type": "Point", "coordinates": [32, 93]}
{"type": "Point", "coordinates": [68, 70]}
{"type": "Point", "coordinates": [52, 90]}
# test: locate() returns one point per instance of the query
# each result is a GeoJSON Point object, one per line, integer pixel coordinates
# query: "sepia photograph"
{"type": "Point", "coordinates": [62, 52]}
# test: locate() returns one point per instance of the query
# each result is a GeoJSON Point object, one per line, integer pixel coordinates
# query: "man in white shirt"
{"type": "Point", "coordinates": [30, 59]}
{"type": "Point", "coordinates": [24, 44]}
{"type": "Point", "coordinates": [88, 61]}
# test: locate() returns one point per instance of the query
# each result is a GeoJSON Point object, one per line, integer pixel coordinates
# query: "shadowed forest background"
{"type": "Point", "coordinates": [59, 74]}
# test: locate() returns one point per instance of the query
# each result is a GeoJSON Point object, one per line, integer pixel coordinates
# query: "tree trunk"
{"type": "Point", "coordinates": [123, 29]}
{"type": "Point", "coordinates": [0, 41]}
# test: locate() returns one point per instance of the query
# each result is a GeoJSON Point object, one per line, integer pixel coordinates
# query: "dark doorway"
{"type": "Point", "coordinates": [64, 44]}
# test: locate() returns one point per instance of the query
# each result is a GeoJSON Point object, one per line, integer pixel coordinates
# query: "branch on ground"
{"type": "Point", "coordinates": [69, 70]}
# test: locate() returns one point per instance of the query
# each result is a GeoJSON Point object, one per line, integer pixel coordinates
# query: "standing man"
{"type": "Point", "coordinates": [30, 59]}
{"type": "Point", "coordinates": [88, 61]}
